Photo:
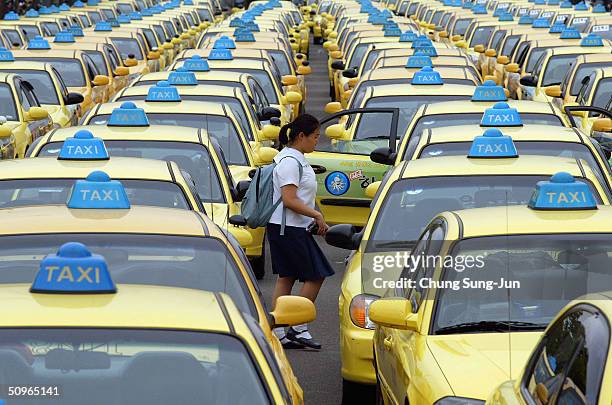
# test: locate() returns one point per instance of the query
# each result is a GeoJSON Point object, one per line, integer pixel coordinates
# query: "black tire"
{"type": "Point", "coordinates": [354, 393]}
{"type": "Point", "coordinates": [259, 264]}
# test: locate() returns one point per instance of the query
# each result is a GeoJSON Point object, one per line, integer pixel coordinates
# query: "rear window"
{"type": "Point", "coordinates": [71, 70]}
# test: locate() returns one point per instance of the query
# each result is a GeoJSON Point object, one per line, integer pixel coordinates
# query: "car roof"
{"type": "Point", "coordinates": [52, 219]}
{"type": "Point", "coordinates": [454, 72]}
{"type": "Point", "coordinates": [522, 106]}
{"type": "Point", "coordinates": [186, 107]}
{"type": "Point", "coordinates": [47, 53]}
{"type": "Point", "coordinates": [130, 307]}
{"type": "Point", "coordinates": [508, 220]}
{"type": "Point", "coordinates": [237, 62]}
{"type": "Point", "coordinates": [152, 132]}
{"type": "Point", "coordinates": [410, 90]}
{"type": "Point", "coordinates": [26, 65]}
{"type": "Point", "coordinates": [462, 133]}
{"type": "Point", "coordinates": [200, 89]}
{"type": "Point", "coordinates": [211, 75]}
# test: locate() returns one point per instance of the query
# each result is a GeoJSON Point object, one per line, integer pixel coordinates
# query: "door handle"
{"type": "Point", "coordinates": [388, 343]}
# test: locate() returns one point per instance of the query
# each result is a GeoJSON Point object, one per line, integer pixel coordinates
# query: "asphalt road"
{"type": "Point", "coordinates": [319, 371]}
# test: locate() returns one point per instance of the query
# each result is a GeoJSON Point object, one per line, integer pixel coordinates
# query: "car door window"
{"type": "Point", "coordinates": [427, 263]}
{"type": "Point", "coordinates": [23, 100]}
{"type": "Point", "coordinates": [567, 367]}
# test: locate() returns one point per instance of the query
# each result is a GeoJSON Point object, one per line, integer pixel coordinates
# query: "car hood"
{"type": "Point", "coordinates": [474, 363]}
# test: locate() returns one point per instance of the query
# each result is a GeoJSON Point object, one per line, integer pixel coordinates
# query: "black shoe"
{"type": "Point", "coordinates": [289, 344]}
{"type": "Point", "coordinates": [292, 335]}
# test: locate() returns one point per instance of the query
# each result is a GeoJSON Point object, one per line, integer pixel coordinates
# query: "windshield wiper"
{"type": "Point", "coordinates": [490, 326]}
{"type": "Point", "coordinates": [396, 244]}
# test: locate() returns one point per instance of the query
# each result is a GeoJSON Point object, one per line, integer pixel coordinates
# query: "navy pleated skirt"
{"type": "Point", "coordinates": [296, 254]}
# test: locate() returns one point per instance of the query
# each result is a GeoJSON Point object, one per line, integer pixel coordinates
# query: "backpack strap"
{"type": "Point", "coordinates": [284, 216]}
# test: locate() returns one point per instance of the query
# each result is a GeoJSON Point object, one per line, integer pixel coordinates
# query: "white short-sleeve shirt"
{"type": "Point", "coordinates": [287, 172]}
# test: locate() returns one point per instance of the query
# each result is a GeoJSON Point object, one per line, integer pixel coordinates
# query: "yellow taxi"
{"type": "Point", "coordinates": [76, 68]}
{"type": "Point", "coordinates": [82, 304]}
{"type": "Point", "coordinates": [596, 93]}
{"type": "Point", "coordinates": [349, 171]}
{"type": "Point", "coordinates": [48, 87]}
{"type": "Point", "coordinates": [413, 193]}
{"type": "Point", "coordinates": [571, 361]}
{"type": "Point", "coordinates": [22, 119]}
{"type": "Point", "coordinates": [452, 327]}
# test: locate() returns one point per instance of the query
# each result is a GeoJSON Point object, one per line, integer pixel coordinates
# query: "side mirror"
{"type": "Point", "coordinates": [289, 80]}
{"type": "Point", "coordinates": [491, 53]}
{"type": "Point", "coordinates": [153, 55]}
{"type": "Point", "coordinates": [443, 34]}
{"type": "Point", "coordinates": [602, 125]}
{"type": "Point", "coordinates": [461, 44]}
{"type": "Point", "coordinates": [292, 310]}
{"type": "Point", "coordinates": [383, 155]}
{"type": "Point", "coordinates": [336, 54]}
{"type": "Point", "coordinates": [240, 190]}
{"type": "Point", "coordinates": [529, 81]}
{"type": "Point", "coordinates": [237, 220]}
{"type": "Point", "coordinates": [456, 38]}
{"type": "Point", "coordinates": [343, 236]}
{"type": "Point", "coordinates": [122, 71]}
{"type": "Point", "coordinates": [353, 82]}
{"type": "Point", "coordinates": [503, 60]}
{"type": "Point", "coordinates": [372, 189]}
{"type": "Point", "coordinates": [479, 48]}
{"type": "Point", "coordinates": [292, 97]}
{"type": "Point", "coordinates": [337, 65]}
{"type": "Point", "coordinates": [268, 112]}
{"type": "Point", "coordinates": [394, 313]}
{"type": "Point", "coordinates": [350, 73]}
{"type": "Point", "coordinates": [36, 114]}
{"type": "Point", "coordinates": [336, 131]}
{"type": "Point", "coordinates": [553, 91]}
{"type": "Point", "coordinates": [304, 69]}
{"type": "Point", "coordinates": [270, 132]}
{"type": "Point", "coordinates": [513, 68]}
{"type": "Point", "coordinates": [243, 236]}
{"type": "Point", "coordinates": [264, 155]}
{"type": "Point", "coordinates": [100, 80]}
{"type": "Point", "coordinates": [73, 98]}
{"type": "Point", "coordinates": [130, 62]}
{"type": "Point", "coordinates": [333, 107]}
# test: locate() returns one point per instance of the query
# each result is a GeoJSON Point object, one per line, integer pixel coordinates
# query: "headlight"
{"type": "Point", "coordinates": [360, 310]}
{"type": "Point", "coordinates": [458, 401]}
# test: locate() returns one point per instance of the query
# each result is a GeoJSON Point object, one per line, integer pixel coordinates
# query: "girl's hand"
{"type": "Point", "coordinates": [323, 227]}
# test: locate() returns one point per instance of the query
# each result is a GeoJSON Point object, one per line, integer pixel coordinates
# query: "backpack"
{"type": "Point", "coordinates": [257, 205]}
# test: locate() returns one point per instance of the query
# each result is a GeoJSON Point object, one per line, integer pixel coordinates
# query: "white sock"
{"type": "Point", "coordinates": [279, 332]}
{"type": "Point", "coordinates": [302, 330]}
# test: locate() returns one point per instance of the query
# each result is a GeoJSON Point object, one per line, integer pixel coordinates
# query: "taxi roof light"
{"type": "Point", "coordinates": [418, 61]}
{"type": "Point", "coordinates": [489, 91]}
{"type": "Point", "coordinates": [38, 42]}
{"type": "Point", "coordinates": [163, 92]}
{"type": "Point", "coordinates": [64, 7]}
{"type": "Point", "coordinates": [11, 16]}
{"type": "Point", "coordinates": [570, 33]}
{"type": "Point", "coordinates": [65, 37]}
{"type": "Point", "coordinates": [408, 36]}
{"type": "Point", "coordinates": [581, 6]}
{"type": "Point", "coordinates": [525, 20]}
{"type": "Point", "coordinates": [244, 36]}
{"type": "Point", "coordinates": [224, 42]}
{"type": "Point", "coordinates": [541, 23]}
{"type": "Point", "coordinates": [31, 13]}
{"type": "Point", "coordinates": [592, 40]}
{"type": "Point", "coordinates": [6, 55]}
{"type": "Point", "coordinates": [427, 76]}
{"type": "Point", "coordinates": [98, 191]}
{"type": "Point", "coordinates": [562, 192]}
{"type": "Point", "coordinates": [128, 115]}
{"type": "Point", "coordinates": [76, 31]}
{"type": "Point", "coordinates": [557, 27]}
{"type": "Point", "coordinates": [501, 115]}
{"type": "Point", "coordinates": [73, 270]}
{"type": "Point", "coordinates": [83, 146]}
{"type": "Point", "coordinates": [182, 77]}
{"type": "Point", "coordinates": [103, 26]}
{"type": "Point", "coordinates": [196, 64]}
{"type": "Point", "coordinates": [493, 144]}
{"type": "Point", "coordinates": [426, 50]}
{"type": "Point", "coordinates": [78, 4]}
{"type": "Point", "coordinates": [220, 54]}
{"type": "Point", "coordinates": [124, 19]}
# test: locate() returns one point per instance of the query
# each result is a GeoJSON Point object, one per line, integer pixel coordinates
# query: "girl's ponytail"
{"type": "Point", "coordinates": [283, 135]}
{"type": "Point", "coordinates": [305, 123]}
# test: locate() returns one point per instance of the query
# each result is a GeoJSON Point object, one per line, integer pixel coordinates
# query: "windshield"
{"type": "Point", "coordinates": [510, 44]}
{"type": "Point", "coordinates": [71, 70]}
{"type": "Point", "coordinates": [234, 104]}
{"type": "Point", "coordinates": [410, 204]}
{"type": "Point", "coordinates": [128, 46]}
{"type": "Point", "coordinates": [550, 270]}
{"type": "Point", "coordinates": [481, 36]}
{"type": "Point", "coordinates": [557, 68]}
{"type": "Point", "coordinates": [461, 26]}
{"type": "Point", "coordinates": [375, 125]}
{"type": "Point", "coordinates": [190, 157]}
{"type": "Point", "coordinates": [42, 83]}
{"type": "Point", "coordinates": [497, 38]}
{"type": "Point", "coordinates": [132, 366]}
{"type": "Point", "coordinates": [7, 103]}
{"type": "Point", "coordinates": [200, 263]}
{"type": "Point", "coordinates": [218, 126]}
{"type": "Point", "coordinates": [23, 192]}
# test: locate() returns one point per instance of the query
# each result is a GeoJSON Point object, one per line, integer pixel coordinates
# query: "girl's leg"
{"type": "Point", "coordinates": [311, 289]}
{"type": "Point", "coordinates": [283, 287]}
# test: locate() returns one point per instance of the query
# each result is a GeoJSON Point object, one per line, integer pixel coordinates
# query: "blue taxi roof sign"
{"type": "Point", "coordinates": [467, 5]}
{"type": "Point", "coordinates": [421, 43]}
{"type": "Point", "coordinates": [64, 7]}
{"type": "Point", "coordinates": [124, 19]}
{"type": "Point", "coordinates": [44, 10]}
{"type": "Point", "coordinates": [113, 22]}
{"type": "Point", "coordinates": [489, 91]}
{"type": "Point", "coordinates": [506, 17]}
{"type": "Point", "coordinates": [73, 270]}
{"type": "Point", "coordinates": [541, 23]}
{"type": "Point", "coordinates": [581, 6]}
{"type": "Point", "coordinates": [501, 115]}
{"type": "Point", "coordinates": [479, 9]}
{"type": "Point", "coordinates": [566, 4]}
{"type": "Point", "coordinates": [196, 64]}
{"type": "Point", "coordinates": [236, 22]}
{"type": "Point", "coordinates": [592, 40]}
{"type": "Point", "coordinates": [76, 31]}
{"type": "Point", "coordinates": [93, 2]}
{"type": "Point", "coordinates": [426, 50]}
{"type": "Point", "coordinates": [103, 26]}
{"type": "Point", "coordinates": [38, 42]}
{"type": "Point", "coordinates": [128, 115]}
{"type": "Point", "coordinates": [163, 92]}
{"type": "Point", "coordinates": [251, 26]}
{"type": "Point", "coordinates": [599, 8]}
{"type": "Point", "coordinates": [220, 54]}
{"type": "Point", "coordinates": [147, 12]}
{"type": "Point", "coordinates": [525, 19]}
{"type": "Point", "coordinates": [492, 144]}
{"type": "Point", "coordinates": [64, 37]}
{"type": "Point", "coordinates": [182, 77]}
{"type": "Point", "coordinates": [570, 33]}
{"type": "Point", "coordinates": [11, 16]}
{"type": "Point", "coordinates": [554, 2]}
{"type": "Point", "coordinates": [408, 36]}
{"type": "Point", "coordinates": [245, 36]}
{"type": "Point", "coordinates": [136, 16]}
{"type": "Point", "coordinates": [418, 61]}
{"type": "Point", "coordinates": [427, 76]}
{"type": "Point", "coordinates": [98, 191]}
{"type": "Point", "coordinates": [6, 55]}
{"type": "Point", "coordinates": [393, 32]}
{"type": "Point", "coordinates": [31, 13]}
{"type": "Point", "coordinates": [224, 42]}
{"type": "Point", "coordinates": [54, 9]}
{"type": "Point", "coordinates": [557, 28]}
{"type": "Point", "coordinates": [83, 146]}
{"type": "Point", "coordinates": [562, 192]}
{"type": "Point", "coordinates": [78, 4]}
{"type": "Point", "coordinates": [188, 2]}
